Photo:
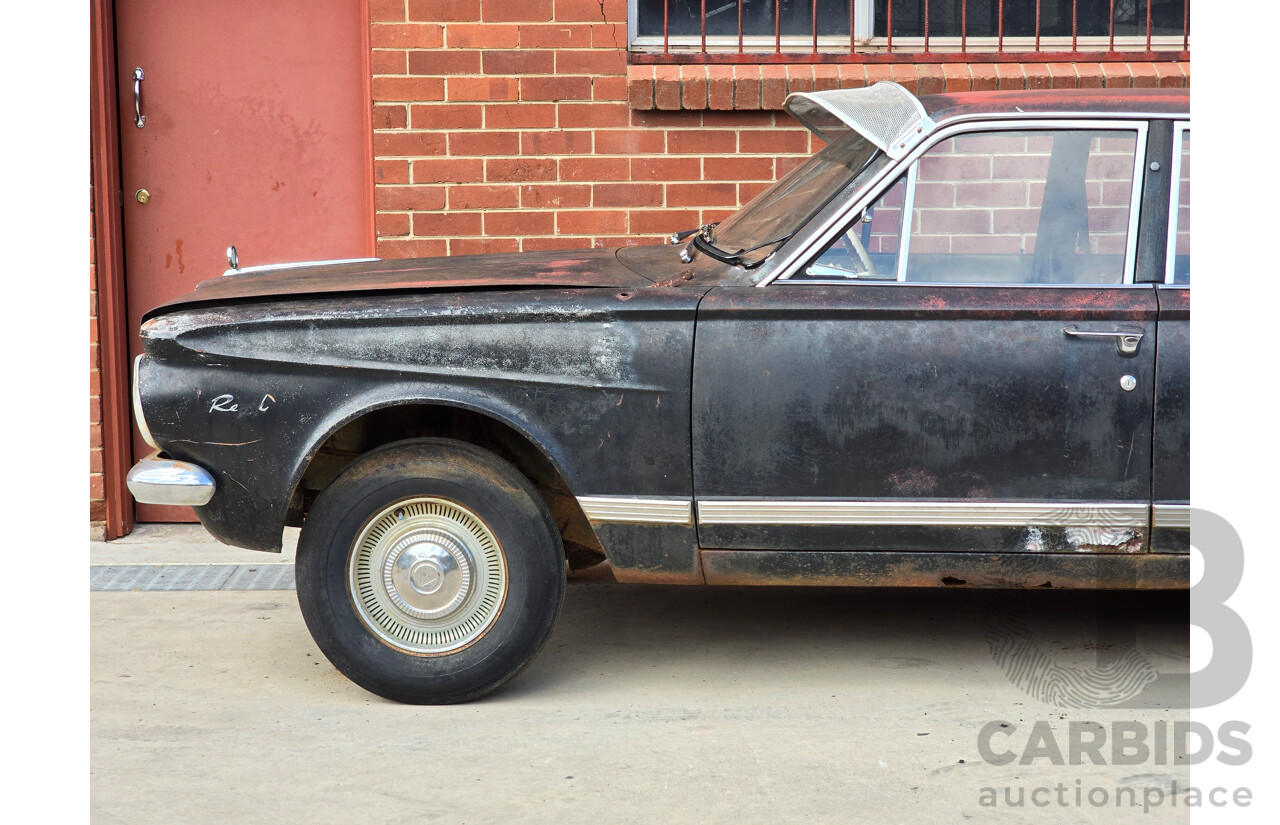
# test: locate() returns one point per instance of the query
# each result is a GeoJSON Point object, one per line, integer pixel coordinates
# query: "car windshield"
{"type": "Point", "coordinates": [777, 212]}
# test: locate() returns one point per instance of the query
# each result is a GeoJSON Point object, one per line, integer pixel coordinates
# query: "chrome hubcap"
{"type": "Point", "coordinates": [427, 576]}
{"type": "Point", "coordinates": [428, 573]}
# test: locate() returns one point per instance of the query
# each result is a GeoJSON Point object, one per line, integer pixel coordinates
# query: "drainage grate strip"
{"type": "Point", "coordinates": [160, 577]}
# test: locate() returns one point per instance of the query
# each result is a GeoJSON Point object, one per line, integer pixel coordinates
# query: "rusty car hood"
{"type": "Point", "coordinates": [518, 270]}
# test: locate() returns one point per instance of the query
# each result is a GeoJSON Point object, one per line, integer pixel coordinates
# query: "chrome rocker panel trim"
{"type": "Point", "coordinates": [156, 480]}
{"type": "Point", "coordinates": [1039, 571]}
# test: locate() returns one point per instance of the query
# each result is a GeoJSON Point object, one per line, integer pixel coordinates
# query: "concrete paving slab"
{"type": "Point", "coordinates": [184, 544]}
{"type": "Point", "coordinates": [649, 704]}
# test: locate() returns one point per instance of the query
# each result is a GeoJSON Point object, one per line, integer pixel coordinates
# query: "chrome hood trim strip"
{"type": "Point", "coordinates": [249, 270]}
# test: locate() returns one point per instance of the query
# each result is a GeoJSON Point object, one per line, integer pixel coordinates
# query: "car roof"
{"type": "Point", "coordinates": [1109, 102]}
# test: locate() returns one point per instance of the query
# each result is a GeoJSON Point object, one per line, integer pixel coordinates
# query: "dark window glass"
{"type": "Point", "coordinates": [794, 17]}
{"type": "Point", "coordinates": [982, 18]}
{"type": "Point", "coordinates": [759, 17]}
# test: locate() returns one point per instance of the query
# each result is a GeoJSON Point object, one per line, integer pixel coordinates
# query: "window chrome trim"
{"type": "Point", "coordinates": [923, 513]}
{"type": "Point", "coordinates": [826, 233]}
{"type": "Point", "coordinates": [633, 510]}
{"type": "Point", "coordinates": [908, 216]}
{"type": "Point", "coordinates": [1135, 204]}
{"type": "Point", "coordinates": [1175, 172]}
{"type": "Point", "coordinates": [1171, 516]}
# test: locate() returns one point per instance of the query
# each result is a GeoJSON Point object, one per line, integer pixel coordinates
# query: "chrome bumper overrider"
{"type": "Point", "coordinates": [156, 480]}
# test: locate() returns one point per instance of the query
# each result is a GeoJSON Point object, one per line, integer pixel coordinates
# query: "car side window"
{"type": "Point", "coordinates": [1048, 206]}
{"type": "Point", "coordinates": [1023, 207]}
{"type": "Point", "coordinates": [1179, 254]}
{"type": "Point", "coordinates": [868, 248]}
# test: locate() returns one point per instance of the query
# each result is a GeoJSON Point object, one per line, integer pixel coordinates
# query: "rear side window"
{"type": "Point", "coordinates": [1178, 261]}
{"type": "Point", "coordinates": [1024, 207]}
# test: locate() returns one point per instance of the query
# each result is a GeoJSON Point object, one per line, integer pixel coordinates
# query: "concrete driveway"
{"type": "Point", "coordinates": [649, 704]}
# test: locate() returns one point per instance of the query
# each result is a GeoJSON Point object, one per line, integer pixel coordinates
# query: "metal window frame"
{"type": "Point", "coordinates": [868, 44]}
{"type": "Point", "coordinates": [795, 258]}
{"type": "Point", "coordinates": [1180, 130]}
{"type": "Point", "coordinates": [908, 216]}
{"type": "Point", "coordinates": [838, 44]}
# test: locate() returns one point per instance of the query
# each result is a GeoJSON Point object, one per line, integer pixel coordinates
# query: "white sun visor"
{"type": "Point", "coordinates": [886, 114]}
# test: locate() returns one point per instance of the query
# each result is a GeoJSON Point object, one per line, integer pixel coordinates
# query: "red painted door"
{"type": "Point", "coordinates": [257, 135]}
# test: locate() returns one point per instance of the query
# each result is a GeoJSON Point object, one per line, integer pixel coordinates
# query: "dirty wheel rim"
{"type": "Point", "coordinates": [427, 576]}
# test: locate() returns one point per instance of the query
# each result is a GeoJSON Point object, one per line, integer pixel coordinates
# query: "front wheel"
{"type": "Point", "coordinates": [430, 571]}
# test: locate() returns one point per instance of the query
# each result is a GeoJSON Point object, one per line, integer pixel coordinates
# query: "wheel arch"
{"type": "Point", "coordinates": [386, 421]}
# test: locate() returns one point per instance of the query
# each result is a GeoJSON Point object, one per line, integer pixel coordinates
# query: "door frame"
{"type": "Point", "coordinates": [113, 335]}
{"type": "Point", "coordinates": [113, 343]}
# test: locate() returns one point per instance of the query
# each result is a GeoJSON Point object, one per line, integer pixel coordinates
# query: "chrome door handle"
{"type": "Point", "coordinates": [139, 119]}
{"type": "Point", "coordinates": [1127, 340]}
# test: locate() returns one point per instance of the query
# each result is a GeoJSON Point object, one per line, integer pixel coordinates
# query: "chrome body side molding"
{"type": "Point", "coordinates": [637, 510]}
{"type": "Point", "coordinates": [1171, 516]}
{"type": "Point", "coordinates": [928, 513]}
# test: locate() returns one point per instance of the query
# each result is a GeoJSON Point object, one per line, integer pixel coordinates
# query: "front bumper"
{"type": "Point", "coordinates": [156, 480]}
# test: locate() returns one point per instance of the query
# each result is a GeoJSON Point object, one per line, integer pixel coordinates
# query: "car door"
{"type": "Point", "coordinates": [1171, 484]}
{"type": "Point", "coordinates": [968, 366]}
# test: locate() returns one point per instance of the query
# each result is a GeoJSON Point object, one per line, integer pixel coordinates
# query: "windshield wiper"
{"type": "Point", "coordinates": [703, 231]}
{"type": "Point", "coordinates": [735, 258]}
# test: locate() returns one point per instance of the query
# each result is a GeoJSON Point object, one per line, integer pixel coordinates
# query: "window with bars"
{"type": "Point", "coordinates": [700, 30]}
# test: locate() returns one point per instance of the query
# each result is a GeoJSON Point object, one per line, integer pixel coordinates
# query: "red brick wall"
{"type": "Point", "coordinates": [508, 125]}
{"type": "Point", "coordinates": [502, 126]}
{"type": "Point", "coordinates": [1183, 236]}
{"type": "Point", "coordinates": [97, 490]}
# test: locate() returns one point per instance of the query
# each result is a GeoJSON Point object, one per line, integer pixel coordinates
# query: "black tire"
{"type": "Point", "coordinates": [334, 573]}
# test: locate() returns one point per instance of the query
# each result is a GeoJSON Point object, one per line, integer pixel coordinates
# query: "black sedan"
{"type": "Point", "coordinates": [950, 349]}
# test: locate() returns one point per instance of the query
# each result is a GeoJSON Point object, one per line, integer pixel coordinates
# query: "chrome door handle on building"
{"type": "Point", "coordinates": [139, 119]}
